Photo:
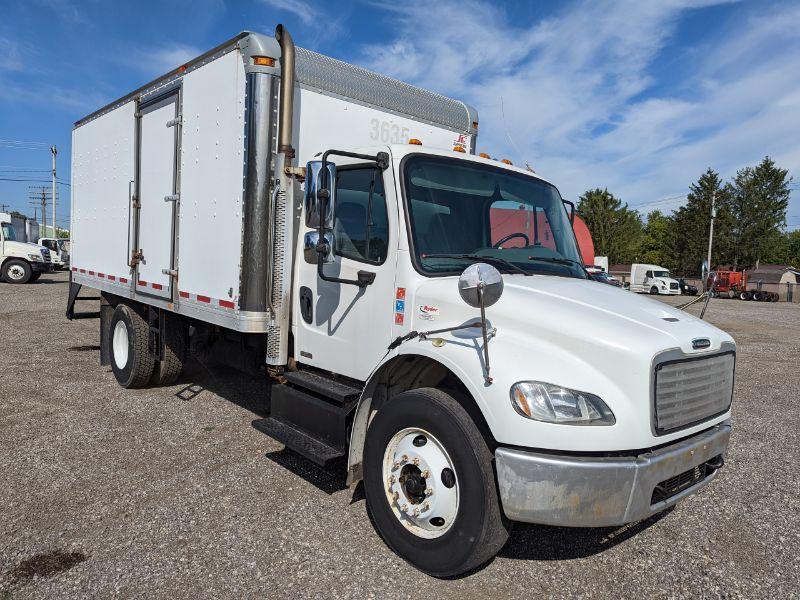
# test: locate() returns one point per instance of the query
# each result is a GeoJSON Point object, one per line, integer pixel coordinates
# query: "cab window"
{"type": "Point", "coordinates": [360, 220]}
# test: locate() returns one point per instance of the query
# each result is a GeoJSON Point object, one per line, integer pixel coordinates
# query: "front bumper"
{"type": "Point", "coordinates": [42, 267]}
{"type": "Point", "coordinates": [598, 491]}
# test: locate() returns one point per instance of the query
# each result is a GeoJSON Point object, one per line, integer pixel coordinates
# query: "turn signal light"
{"type": "Point", "coordinates": [458, 149]}
{"type": "Point", "coordinates": [505, 161]}
{"type": "Point", "coordinates": [264, 61]}
{"type": "Point", "coordinates": [415, 142]}
{"type": "Point", "coordinates": [484, 155]}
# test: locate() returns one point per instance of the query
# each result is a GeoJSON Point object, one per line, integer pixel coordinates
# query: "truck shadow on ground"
{"type": "Point", "coordinates": [543, 542]}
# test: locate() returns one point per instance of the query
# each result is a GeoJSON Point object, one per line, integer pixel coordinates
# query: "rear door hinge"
{"type": "Point", "coordinates": [176, 121]}
{"type": "Point", "coordinates": [171, 272]}
{"type": "Point", "coordinates": [172, 198]}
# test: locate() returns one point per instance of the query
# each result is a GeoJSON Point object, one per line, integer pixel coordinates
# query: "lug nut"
{"type": "Point", "coordinates": [429, 492]}
{"type": "Point", "coordinates": [416, 461]}
{"type": "Point", "coordinates": [416, 512]}
{"type": "Point", "coordinates": [395, 466]}
{"type": "Point", "coordinates": [392, 479]}
{"type": "Point", "coordinates": [426, 507]}
{"type": "Point", "coordinates": [396, 495]}
{"type": "Point", "coordinates": [426, 474]}
{"type": "Point", "coordinates": [404, 458]}
{"type": "Point", "coordinates": [404, 507]}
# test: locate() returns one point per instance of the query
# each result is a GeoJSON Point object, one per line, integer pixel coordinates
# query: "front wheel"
{"type": "Point", "coordinates": [430, 484]}
{"type": "Point", "coordinates": [16, 271]}
{"type": "Point", "coordinates": [654, 290]}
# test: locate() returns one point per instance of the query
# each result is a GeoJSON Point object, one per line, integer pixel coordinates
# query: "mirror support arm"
{"type": "Point", "coordinates": [381, 161]}
{"type": "Point", "coordinates": [488, 376]}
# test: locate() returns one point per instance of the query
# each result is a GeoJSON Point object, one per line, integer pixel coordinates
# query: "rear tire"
{"type": "Point", "coordinates": [758, 296]}
{"type": "Point", "coordinates": [654, 290]}
{"type": "Point", "coordinates": [462, 526]}
{"type": "Point", "coordinates": [16, 271]}
{"type": "Point", "coordinates": [744, 295]}
{"type": "Point", "coordinates": [731, 294]}
{"type": "Point", "coordinates": [131, 359]}
{"type": "Point", "coordinates": [166, 371]}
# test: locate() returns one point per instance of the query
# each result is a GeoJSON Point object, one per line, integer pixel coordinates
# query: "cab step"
{"type": "Point", "coordinates": [337, 390]}
{"type": "Point", "coordinates": [312, 425]}
{"type": "Point", "coordinates": [296, 440]}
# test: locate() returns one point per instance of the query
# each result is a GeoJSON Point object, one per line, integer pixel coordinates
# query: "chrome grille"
{"type": "Point", "coordinates": [692, 390]}
{"type": "Point", "coordinates": [673, 286]}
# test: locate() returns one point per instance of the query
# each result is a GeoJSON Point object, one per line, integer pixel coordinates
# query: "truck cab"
{"type": "Point", "coordinates": [423, 311]}
{"type": "Point", "coordinates": [652, 279]}
{"type": "Point", "coordinates": [20, 262]}
{"type": "Point", "coordinates": [59, 251]}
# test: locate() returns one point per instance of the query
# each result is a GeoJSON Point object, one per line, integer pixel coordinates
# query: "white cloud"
{"type": "Point", "coordinates": [302, 10]}
{"type": "Point", "coordinates": [11, 55]}
{"type": "Point", "coordinates": [165, 58]}
{"type": "Point", "coordinates": [577, 89]}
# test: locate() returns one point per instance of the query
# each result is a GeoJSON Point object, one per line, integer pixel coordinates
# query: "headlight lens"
{"type": "Point", "coordinates": [34, 257]}
{"type": "Point", "coordinates": [555, 404]}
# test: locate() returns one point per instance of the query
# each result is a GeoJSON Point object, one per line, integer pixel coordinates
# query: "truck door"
{"type": "Point", "coordinates": [341, 327]}
{"type": "Point", "coordinates": [157, 194]}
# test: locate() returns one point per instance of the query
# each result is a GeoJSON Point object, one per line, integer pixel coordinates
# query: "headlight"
{"type": "Point", "coordinates": [35, 257]}
{"type": "Point", "coordinates": [555, 404]}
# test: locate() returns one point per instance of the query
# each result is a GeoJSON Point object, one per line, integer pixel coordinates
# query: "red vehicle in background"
{"type": "Point", "coordinates": [733, 284]}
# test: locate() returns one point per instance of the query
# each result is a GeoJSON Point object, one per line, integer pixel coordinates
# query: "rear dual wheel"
{"type": "Point", "coordinates": [133, 364]}
{"type": "Point", "coordinates": [430, 484]}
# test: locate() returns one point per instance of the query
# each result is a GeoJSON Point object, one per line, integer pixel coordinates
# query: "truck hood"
{"type": "Point", "coordinates": [23, 247]}
{"type": "Point", "coordinates": [561, 308]}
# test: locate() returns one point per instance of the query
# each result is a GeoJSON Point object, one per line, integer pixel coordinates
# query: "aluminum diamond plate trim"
{"type": "Point", "coordinates": [349, 81]}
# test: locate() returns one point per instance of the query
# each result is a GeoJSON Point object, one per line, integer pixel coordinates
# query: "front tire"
{"type": "Point", "coordinates": [430, 485]}
{"type": "Point", "coordinates": [131, 359]}
{"type": "Point", "coordinates": [654, 290]}
{"type": "Point", "coordinates": [16, 271]}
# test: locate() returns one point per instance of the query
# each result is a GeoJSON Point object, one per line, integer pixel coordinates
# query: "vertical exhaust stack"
{"type": "Point", "coordinates": [279, 278]}
{"type": "Point", "coordinates": [287, 92]}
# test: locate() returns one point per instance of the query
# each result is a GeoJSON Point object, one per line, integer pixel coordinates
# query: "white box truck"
{"type": "Point", "coordinates": [652, 279]}
{"type": "Point", "coordinates": [333, 229]}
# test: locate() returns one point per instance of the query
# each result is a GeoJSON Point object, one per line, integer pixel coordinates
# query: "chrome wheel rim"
{"type": "Point", "coordinates": [120, 344]}
{"type": "Point", "coordinates": [16, 272]}
{"type": "Point", "coordinates": [421, 483]}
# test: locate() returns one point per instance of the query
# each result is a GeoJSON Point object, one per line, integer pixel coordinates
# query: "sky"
{"type": "Point", "coordinates": [639, 97]}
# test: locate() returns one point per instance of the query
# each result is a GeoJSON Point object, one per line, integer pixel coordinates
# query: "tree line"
{"type": "Point", "coordinates": [749, 228]}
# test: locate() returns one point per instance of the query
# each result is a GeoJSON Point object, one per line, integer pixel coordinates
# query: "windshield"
{"type": "Point", "coordinates": [8, 232]}
{"type": "Point", "coordinates": [461, 211]}
{"type": "Point", "coordinates": [662, 274]}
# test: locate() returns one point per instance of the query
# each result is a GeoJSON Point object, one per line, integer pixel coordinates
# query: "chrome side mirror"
{"type": "Point", "coordinates": [312, 201]}
{"type": "Point", "coordinates": [481, 285]}
{"type": "Point", "coordinates": [311, 247]}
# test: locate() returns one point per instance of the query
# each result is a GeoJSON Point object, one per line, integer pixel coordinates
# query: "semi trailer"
{"type": "Point", "coordinates": [331, 228]}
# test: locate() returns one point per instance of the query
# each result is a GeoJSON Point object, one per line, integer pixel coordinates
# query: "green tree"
{"type": "Point", "coordinates": [759, 196]}
{"type": "Point", "coordinates": [691, 222]}
{"type": "Point", "coordinates": [656, 245]}
{"type": "Point", "coordinates": [616, 230]}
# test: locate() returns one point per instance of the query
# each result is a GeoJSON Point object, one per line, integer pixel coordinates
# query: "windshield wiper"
{"type": "Point", "coordinates": [477, 258]}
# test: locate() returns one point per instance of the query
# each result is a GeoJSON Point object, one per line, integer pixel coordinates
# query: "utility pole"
{"type": "Point", "coordinates": [54, 151]}
{"type": "Point", "coordinates": [3, 207]}
{"type": "Point", "coordinates": [38, 197]}
{"type": "Point", "coordinates": [710, 234]}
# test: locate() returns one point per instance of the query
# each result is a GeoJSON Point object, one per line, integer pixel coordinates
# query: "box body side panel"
{"type": "Point", "coordinates": [212, 175]}
{"type": "Point", "coordinates": [102, 172]}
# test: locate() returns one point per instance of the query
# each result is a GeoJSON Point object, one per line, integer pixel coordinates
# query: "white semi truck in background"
{"type": "Point", "coordinates": [652, 279]}
{"type": "Point", "coordinates": [20, 261]}
{"type": "Point", "coordinates": [333, 229]}
{"type": "Point", "coordinates": [59, 251]}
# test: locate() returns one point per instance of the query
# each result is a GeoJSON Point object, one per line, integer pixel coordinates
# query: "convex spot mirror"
{"type": "Point", "coordinates": [484, 277]}
{"type": "Point", "coordinates": [313, 185]}
{"type": "Point", "coordinates": [311, 247]}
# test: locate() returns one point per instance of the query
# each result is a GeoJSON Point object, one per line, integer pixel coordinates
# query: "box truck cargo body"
{"type": "Point", "coordinates": [333, 229]}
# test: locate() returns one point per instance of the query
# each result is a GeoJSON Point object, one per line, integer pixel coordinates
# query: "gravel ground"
{"type": "Point", "coordinates": [170, 492]}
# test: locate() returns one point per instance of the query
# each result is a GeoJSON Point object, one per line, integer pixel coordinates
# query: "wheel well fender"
{"type": "Point", "coordinates": [399, 374]}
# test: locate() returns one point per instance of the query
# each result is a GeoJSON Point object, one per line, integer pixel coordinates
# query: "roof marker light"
{"type": "Point", "coordinates": [264, 61]}
{"type": "Point", "coordinates": [415, 142]}
{"type": "Point", "coordinates": [484, 155]}
{"type": "Point", "coordinates": [505, 161]}
{"type": "Point", "coordinates": [458, 149]}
